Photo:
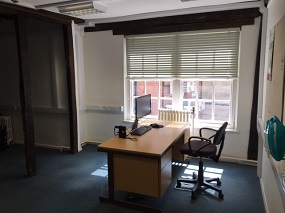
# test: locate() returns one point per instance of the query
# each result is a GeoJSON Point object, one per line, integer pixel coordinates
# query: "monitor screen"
{"type": "Point", "coordinates": [142, 106]}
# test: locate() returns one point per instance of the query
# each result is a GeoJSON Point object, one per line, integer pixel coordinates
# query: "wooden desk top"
{"type": "Point", "coordinates": [153, 143]}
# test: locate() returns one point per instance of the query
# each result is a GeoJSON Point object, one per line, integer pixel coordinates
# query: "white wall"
{"type": "Point", "coordinates": [270, 186]}
{"type": "Point", "coordinates": [236, 143]}
{"type": "Point", "coordinates": [104, 83]}
{"type": "Point", "coordinates": [80, 83]}
{"type": "Point", "coordinates": [104, 79]}
{"type": "Point", "coordinates": [103, 60]}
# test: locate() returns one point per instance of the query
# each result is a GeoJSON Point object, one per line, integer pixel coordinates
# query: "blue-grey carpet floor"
{"type": "Point", "coordinates": [72, 183]}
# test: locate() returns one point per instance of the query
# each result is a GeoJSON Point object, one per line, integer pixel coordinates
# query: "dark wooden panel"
{"type": "Point", "coordinates": [25, 94]}
{"type": "Point", "coordinates": [69, 52]}
{"type": "Point", "coordinates": [210, 20]}
{"type": "Point", "coordinates": [186, 27]}
{"type": "Point", "coordinates": [43, 14]}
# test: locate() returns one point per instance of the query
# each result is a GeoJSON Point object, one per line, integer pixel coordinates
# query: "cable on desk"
{"type": "Point", "coordinates": [132, 139]}
{"type": "Point", "coordinates": [128, 133]}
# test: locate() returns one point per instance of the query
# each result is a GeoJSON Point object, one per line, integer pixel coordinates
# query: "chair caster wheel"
{"type": "Point", "coordinates": [221, 195]}
{"type": "Point", "coordinates": [194, 176]}
{"type": "Point", "coordinates": [178, 184]}
{"type": "Point", "coordinates": [219, 183]}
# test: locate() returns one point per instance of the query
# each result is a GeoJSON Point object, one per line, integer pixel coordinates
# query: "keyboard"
{"type": "Point", "coordinates": [141, 130]}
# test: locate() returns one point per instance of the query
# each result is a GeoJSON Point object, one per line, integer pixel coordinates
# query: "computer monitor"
{"type": "Point", "coordinates": [142, 108]}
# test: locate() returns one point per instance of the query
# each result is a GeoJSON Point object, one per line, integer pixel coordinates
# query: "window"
{"type": "Point", "coordinates": [211, 99]}
{"type": "Point", "coordinates": [161, 94]}
{"type": "Point", "coordinates": [185, 70]}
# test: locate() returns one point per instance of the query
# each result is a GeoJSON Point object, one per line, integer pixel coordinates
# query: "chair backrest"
{"type": "Point", "coordinates": [219, 140]}
{"type": "Point", "coordinates": [220, 134]}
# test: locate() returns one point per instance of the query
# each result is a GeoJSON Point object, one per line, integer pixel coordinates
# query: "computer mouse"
{"type": "Point", "coordinates": [156, 125]}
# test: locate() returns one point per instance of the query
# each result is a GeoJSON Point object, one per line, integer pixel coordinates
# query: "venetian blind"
{"type": "Point", "coordinates": [211, 54]}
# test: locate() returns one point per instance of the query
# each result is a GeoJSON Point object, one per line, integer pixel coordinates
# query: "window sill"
{"type": "Point", "coordinates": [197, 126]}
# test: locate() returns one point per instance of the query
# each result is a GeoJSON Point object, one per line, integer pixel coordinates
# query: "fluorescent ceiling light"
{"type": "Point", "coordinates": [85, 8]}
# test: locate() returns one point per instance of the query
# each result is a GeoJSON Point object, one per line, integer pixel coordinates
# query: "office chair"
{"type": "Point", "coordinates": [207, 148]}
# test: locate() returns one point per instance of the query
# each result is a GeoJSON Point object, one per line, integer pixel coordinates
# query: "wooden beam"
{"type": "Point", "coordinates": [25, 94]}
{"type": "Point", "coordinates": [43, 14]}
{"type": "Point", "coordinates": [209, 20]}
{"type": "Point", "coordinates": [8, 16]}
{"type": "Point", "coordinates": [266, 2]}
{"type": "Point", "coordinates": [69, 52]}
{"type": "Point", "coordinates": [186, 27]}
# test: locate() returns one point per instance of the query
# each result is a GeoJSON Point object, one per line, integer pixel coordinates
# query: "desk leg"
{"type": "Point", "coordinates": [111, 199]}
{"type": "Point", "coordinates": [111, 176]}
{"type": "Point", "coordinates": [110, 180]}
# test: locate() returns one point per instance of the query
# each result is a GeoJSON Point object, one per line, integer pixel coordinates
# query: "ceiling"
{"type": "Point", "coordinates": [122, 10]}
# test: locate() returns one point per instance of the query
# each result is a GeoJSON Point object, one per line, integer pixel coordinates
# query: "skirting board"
{"type": "Point", "coordinates": [60, 148]}
{"type": "Point", "coordinates": [263, 196]}
{"type": "Point", "coordinates": [232, 160]}
{"type": "Point", "coordinates": [90, 142]}
{"type": "Point", "coordinates": [239, 161]}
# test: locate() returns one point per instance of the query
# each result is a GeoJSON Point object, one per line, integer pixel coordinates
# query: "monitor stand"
{"type": "Point", "coordinates": [135, 124]}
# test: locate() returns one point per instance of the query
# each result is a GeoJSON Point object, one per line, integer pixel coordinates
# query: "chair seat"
{"type": "Point", "coordinates": [207, 151]}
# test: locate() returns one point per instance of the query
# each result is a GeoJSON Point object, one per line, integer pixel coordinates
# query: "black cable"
{"type": "Point", "coordinates": [128, 133]}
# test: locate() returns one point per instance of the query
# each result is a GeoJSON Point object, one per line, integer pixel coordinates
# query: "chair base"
{"type": "Point", "coordinates": [200, 182]}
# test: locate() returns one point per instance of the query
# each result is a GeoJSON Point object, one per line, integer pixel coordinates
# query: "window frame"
{"type": "Point", "coordinates": [232, 103]}
{"type": "Point", "coordinates": [177, 100]}
{"type": "Point", "coordinates": [178, 87]}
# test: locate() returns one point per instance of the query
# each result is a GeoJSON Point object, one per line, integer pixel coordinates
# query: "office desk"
{"type": "Point", "coordinates": [143, 166]}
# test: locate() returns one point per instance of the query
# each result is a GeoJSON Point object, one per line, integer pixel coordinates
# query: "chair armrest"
{"type": "Point", "coordinates": [207, 129]}
{"type": "Point", "coordinates": [201, 138]}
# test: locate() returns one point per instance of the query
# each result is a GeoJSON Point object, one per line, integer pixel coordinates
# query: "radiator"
{"type": "Point", "coordinates": [6, 121]}
{"type": "Point", "coordinates": [174, 115]}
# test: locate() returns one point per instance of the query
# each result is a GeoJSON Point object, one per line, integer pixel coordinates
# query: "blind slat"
{"type": "Point", "coordinates": [183, 55]}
